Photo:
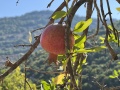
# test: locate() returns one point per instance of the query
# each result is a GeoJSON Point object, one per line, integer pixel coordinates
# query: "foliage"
{"type": "Point", "coordinates": [16, 81]}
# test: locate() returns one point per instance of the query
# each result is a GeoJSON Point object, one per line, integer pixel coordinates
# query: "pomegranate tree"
{"type": "Point", "coordinates": [53, 41]}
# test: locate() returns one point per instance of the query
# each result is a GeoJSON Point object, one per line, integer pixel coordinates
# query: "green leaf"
{"type": "Point", "coordinates": [115, 73]}
{"type": "Point", "coordinates": [45, 85]}
{"type": "Point", "coordinates": [30, 37]}
{"type": "Point", "coordinates": [110, 27]}
{"type": "Point", "coordinates": [61, 57]}
{"type": "Point", "coordinates": [59, 14]}
{"type": "Point", "coordinates": [80, 41]}
{"type": "Point", "coordinates": [84, 61]}
{"type": "Point", "coordinates": [94, 49]}
{"type": "Point", "coordinates": [118, 62]}
{"type": "Point", "coordinates": [79, 69]}
{"type": "Point", "coordinates": [78, 26]}
{"type": "Point", "coordinates": [119, 71]}
{"type": "Point", "coordinates": [82, 25]}
{"type": "Point", "coordinates": [118, 9]}
{"type": "Point", "coordinates": [112, 76]}
{"type": "Point", "coordinates": [102, 39]}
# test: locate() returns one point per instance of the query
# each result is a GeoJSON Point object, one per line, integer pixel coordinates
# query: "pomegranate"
{"type": "Point", "coordinates": [53, 41]}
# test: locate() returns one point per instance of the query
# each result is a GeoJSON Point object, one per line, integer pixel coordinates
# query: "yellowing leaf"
{"type": "Point", "coordinates": [118, 9]}
{"type": "Point", "coordinates": [58, 79]}
{"type": "Point", "coordinates": [30, 37]}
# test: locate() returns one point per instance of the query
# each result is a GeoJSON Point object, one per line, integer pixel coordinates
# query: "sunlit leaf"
{"type": "Point", "coordinates": [84, 60]}
{"type": "Point", "coordinates": [82, 25]}
{"type": "Point", "coordinates": [65, 64]}
{"type": "Point", "coordinates": [118, 62]}
{"type": "Point", "coordinates": [119, 71]}
{"type": "Point", "coordinates": [60, 57]}
{"type": "Point", "coordinates": [112, 76]}
{"type": "Point", "coordinates": [110, 27]}
{"type": "Point", "coordinates": [74, 57]}
{"type": "Point", "coordinates": [115, 73]}
{"type": "Point", "coordinates": [79, 69]}
{"type": "Point", "coordinates": [76, 36]}
{"type": "Point", "coordinates": [45, 85]}
{"type": "Point", "coordinates": [118, 9]}
{"type": "Point", "coordinates": [30, 37]}
{"type": "Point", "coordinates": [111, 38]}
{"type": "Point", "coordinates": [58, 79]}
{"type": "Point", "coordinates": [102, 39]}
{"type": "Point", "coordinates": [78, 26]}
{"type": "Point", "coordinates": [80, 42]}
{"type": "Point", "coordinates": [59, 14]}
{"type": "Point", "coordinates": [94, 49]}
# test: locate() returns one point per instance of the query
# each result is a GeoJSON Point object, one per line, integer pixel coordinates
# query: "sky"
{"type": "Point", "coordinates": [9, 8]}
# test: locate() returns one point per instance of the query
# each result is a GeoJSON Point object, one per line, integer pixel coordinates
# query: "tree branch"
{"type": "Point", "coordinates": [118, 1]}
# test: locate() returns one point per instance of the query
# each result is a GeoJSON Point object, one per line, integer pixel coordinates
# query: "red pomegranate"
{"type": "Point", "coordinates": [53, 41]}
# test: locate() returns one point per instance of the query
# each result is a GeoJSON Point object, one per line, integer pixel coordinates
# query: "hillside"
{"type": "Point", "coordinates": [14, 31]}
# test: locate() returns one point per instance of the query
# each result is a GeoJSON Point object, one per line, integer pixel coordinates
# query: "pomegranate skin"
{"type": "Point", "coordinates": [53, 41]}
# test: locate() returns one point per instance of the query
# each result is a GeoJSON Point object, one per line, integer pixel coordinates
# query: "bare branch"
{"type": "Point", "coordinates": [37, 29]}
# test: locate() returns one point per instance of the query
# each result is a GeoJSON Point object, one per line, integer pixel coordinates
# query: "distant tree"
{"type": "Point", "coordinates": [16, 81]}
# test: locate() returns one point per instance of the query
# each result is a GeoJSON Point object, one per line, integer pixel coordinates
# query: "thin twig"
{"type": "Point", "coordinates": [98, 23]}
{"type": "Point", "coordinates": [29, 85]}
{"type": "Point", "coordinates": [23, 45]}
{"type": "Point", "coordinates": [50, 3]}
{"type": "Point", "coordinates": [37, 29]}
{"type": "Point", "coordinates": [114, 29]}
{"type": "Point", "coordinates": [112, 52]}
